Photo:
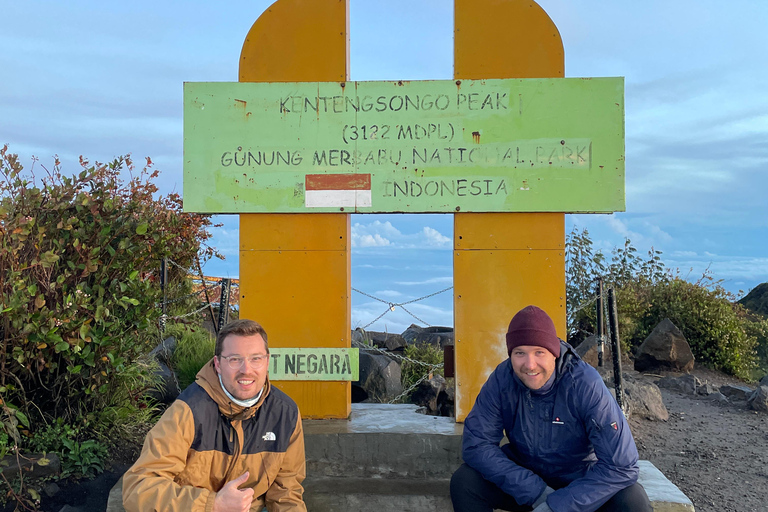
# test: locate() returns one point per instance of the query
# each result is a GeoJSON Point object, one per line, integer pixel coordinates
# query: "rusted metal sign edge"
{"type": "Point", "coordinates": [525, 145]}
{"type": "Point", "coordinates": [340, 364]}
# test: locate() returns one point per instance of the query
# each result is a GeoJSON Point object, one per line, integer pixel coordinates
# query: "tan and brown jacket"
{"type": "Point", "coordinates": [204, 440]}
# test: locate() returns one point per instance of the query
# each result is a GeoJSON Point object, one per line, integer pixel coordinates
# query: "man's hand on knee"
{"type": "Point", "coordinates": [232, 499]}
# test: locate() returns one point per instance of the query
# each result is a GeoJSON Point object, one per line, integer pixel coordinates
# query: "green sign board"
{"type": "Point", "coordinates": [513, 145]}
{"type": "Point", "coordinates": [314, 364]}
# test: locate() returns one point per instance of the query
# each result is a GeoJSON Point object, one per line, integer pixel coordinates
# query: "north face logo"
{"type": "Point", "coordinates": [269, 436]}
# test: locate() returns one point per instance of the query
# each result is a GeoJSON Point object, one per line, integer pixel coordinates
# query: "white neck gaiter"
{"type": "Point", "coordinates": [241, 403]}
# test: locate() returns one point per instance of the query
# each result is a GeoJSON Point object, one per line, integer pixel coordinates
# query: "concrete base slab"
{"type": "Point", "coordinates": [390, 458]}
{"type": "Point", "coordinates": [664, 495]}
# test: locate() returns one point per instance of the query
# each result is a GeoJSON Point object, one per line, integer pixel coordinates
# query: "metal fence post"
{"type": "Point", "coordinates": [600, 323]}
{"type": "Point", "coordinates": [224, 303]}
{"type": "Point", "coordinates": [163, 287]}
{"type": "Point", "coordinates": [616, 348]}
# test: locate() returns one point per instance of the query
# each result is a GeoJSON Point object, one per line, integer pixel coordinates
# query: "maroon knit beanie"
{"type": "Point", "coordinates": [532, 326]}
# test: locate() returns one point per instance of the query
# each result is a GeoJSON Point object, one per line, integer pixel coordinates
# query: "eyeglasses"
{"type": "Point", "coordinates": [236, 362]}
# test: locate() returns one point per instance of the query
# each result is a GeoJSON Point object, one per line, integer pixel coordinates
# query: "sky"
{"type": "Point", "coordinates": [103, 79]}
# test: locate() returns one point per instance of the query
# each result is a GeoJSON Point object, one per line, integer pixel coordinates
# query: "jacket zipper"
{"type": "Point", "coordinates": [235, 440]}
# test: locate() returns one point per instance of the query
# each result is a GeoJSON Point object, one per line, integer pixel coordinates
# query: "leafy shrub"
{"type": "Point", "coordinates": [82, 458]}
{"type": "Point", "coordinates": [430, 361]}
{"type": "Point", "coordinates": [709, 321]}
{"type": "Point", "coordinates": [194, 348]}
{"type": "Point", "coordinates": [719, 332]}
{"type": "Point", "coordinates": [78, 280]}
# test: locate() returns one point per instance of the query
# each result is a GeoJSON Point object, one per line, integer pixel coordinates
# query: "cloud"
{"type": "Point", "coordinates": [434, 238]}
{"type": "Point", "coordinates": [374, 240]}
{"type": "Point", "coordinates": [391, 294]}
{"type": "Point", "coordinates": [385, 234]}
{"type": "Point", "coordinates": [434, 280]}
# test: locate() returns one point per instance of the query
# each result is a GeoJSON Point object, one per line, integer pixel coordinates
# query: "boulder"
{"type": "Point", "coordinates": [718, 397]}
{"type": "Point", "coordinates": [736, 392]}
{"type": "Point", "coordinates": [644, 400]}
{"type": "Point", "coordinates": [707, 389]}
{"type": "Point", "coordinates": [385, 340]}
{"type": "Point", "coordinates": [426, 394]}
{"type": "Point", "coordinates": [686, 384]}
{"type": "Point", "coordinates": [764, 381]}
{"type": "Point", "coordinates": [758, 399]}
{"type": "Point", "coordinates": [435, 396]}
{"type": "Point", "coordinates": [379, 377]}
{"type": "Point", "coordinates": [437, 336]}
{"type": "Point", "coordinates": [168, 387]}
{"type": "Point", "coordinates": [664, 348]}
{"type": "Point", "coordinates": [163, 352]}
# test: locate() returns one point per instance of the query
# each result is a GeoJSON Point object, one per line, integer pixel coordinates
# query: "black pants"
{"type": "Point", "coordinates": [470, 492]}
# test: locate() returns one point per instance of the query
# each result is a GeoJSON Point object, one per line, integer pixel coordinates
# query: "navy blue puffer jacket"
{"type": "Point", "coordinates": [573, 438]}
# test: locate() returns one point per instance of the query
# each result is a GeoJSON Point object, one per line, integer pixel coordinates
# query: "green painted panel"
{"type": "Point", "coordinates": [314, 364]}
{"type": "Point", "coordinates": [513, 145]}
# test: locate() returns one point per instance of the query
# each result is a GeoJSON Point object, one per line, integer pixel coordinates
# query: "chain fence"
{"type": "Point", "coordinates": [392, 306]}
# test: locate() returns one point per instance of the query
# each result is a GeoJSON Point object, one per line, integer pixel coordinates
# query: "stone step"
{"type": "Point", "coordinates": [338, 494]}
{"type": "Point", "coordinates": [383, 440]}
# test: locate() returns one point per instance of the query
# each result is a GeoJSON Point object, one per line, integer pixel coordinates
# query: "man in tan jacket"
{"type": "Point", "coordinates": [230, 443]}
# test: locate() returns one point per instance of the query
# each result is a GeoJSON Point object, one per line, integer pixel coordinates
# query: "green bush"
{"type": "Point", "coordinates": [80, 456]}
{"type": "Point", "coordinates": [720, 333]}
{"type": "Point", "coordinates": [194, 348]}
{"type": "Point", "coordinates": [430, 361]}
{"type": "Point", "coordinates": [79, 261]}
{"type": "Point", "coordinates": [709, 321]}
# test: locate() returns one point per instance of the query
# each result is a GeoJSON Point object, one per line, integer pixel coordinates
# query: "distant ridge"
{"type": "Point", "coordinates": [757, 300]}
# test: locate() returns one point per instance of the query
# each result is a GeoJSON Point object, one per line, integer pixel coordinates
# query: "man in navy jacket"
{"type": "Point", "coordinates": [570, 448]}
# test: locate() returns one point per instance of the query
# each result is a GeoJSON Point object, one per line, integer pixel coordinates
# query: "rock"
{"type": "Point", "coordinates": [168, 387]}
{"type": "Point", "coordinates": [437, 336]}
{"type": "Point", "coordinates": [426, 394]}
{"type": "Point", "coordinates": [435, 396]}
{"type": "Point", "coordinates": [735, 392]}
{"type": "Point", "coordinates": [644, 400]}
{"type": "Point", "coordinates": [379, 377]}
{"type": "Point", "coordinates": [664, 348]}
{"type": "Point", "coordinates": [764, 381]}
{"type": "Point", "coordinates": [706, 389]}
{"type": "Point", "coordinates": [718, 397]}
{"type": "Point", "coordinates": [163, 352]}
{"type": "Point", "coordinates": [446, 401]}
{"type": "Point", "coordinates": [758, 399]}
{"type": "Point", "coordinates": [386, 340]}
{"type": "Point", "coordinates": [34, 465]}
{"type": "Point", "coordinates": [687, 384]}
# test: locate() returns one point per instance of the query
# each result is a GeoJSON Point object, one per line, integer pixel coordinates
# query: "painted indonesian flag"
{"type": "Point", "coordinates": [337, 190]}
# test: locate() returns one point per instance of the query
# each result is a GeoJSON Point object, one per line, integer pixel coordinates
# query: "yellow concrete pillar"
{"type": "Point", "coordinates": [502, 261]}
{"type": "Point", "coordinates": [295, 268]}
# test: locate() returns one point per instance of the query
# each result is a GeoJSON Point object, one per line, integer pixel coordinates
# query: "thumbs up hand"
{"type": "Point", "coordinates": [232, 499]}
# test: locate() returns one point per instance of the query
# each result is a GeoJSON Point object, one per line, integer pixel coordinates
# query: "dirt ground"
{"type": "Point", "coordinates": [717, 454]}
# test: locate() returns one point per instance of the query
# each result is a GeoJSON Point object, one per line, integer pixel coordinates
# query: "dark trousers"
{"type": "Point", "coordinates": [470, 492]}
